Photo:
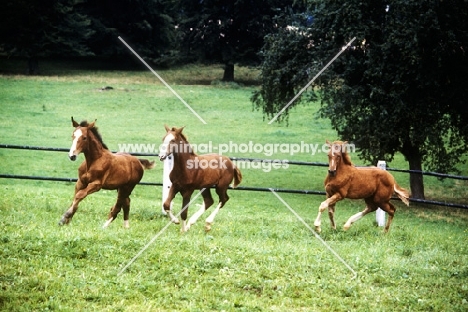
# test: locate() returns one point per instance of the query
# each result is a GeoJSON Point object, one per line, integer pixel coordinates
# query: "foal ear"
{"type": "Point", "coordinates": [179, 131]}
{"type": "Point", "coordinates": [328, 142]}
{"type": "Point", "coordinates": [74, 123]}
{"type": "Point", "coordinates": [91, 125]}
{"type": "Point", "coordinates": [167, 128]}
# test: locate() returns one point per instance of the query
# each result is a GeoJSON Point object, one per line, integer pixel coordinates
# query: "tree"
{"type": "Point", "coordinates": [70, 28]}
{"type": "Point", "coordinates": [227, 31]}
{"type": "Point", "coordinates": [148, 26]}
{"type": "Point", "coordinates": [398, 88]}
{"type": "Point", "coordinates": [33, 28]}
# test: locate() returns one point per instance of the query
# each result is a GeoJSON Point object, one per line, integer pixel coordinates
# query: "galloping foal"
{"type": "Point", "coordinates": [196, 172]}
{"type": "Point", "coordinates": [344, 180]}
{"type": "Point", "coordinates": [103, 170]}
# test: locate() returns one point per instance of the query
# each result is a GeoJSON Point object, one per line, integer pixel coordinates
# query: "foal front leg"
{"type": "Point", "coordinates": [331, 215]}
{"type": "Point", "coordinates": [80, 194]}
{"type": "Point", "coordinates": [167, 205]}
{"type": "Point", "coordinates": [184, 212]}
{"type": "Point", "coordinates": [328, 203]}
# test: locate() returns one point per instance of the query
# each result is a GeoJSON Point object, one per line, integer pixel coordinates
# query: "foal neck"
{"type": "Point", "coordinates": [183, 155]}
{"type": "Point", "coordinates": [96, 148]}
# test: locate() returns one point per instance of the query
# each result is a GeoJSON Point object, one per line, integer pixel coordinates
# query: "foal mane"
{"type": "Point", "coordinates": [184, 139]}
{"type": "Point", "coordinates": [95, 131]}
{"type": "Point", "coordinates": [346, 158]}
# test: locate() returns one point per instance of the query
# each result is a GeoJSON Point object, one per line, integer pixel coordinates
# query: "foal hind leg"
{"type": "Point", "coordinates": [114, 211]}
{"type": "Point", "coordinates": [123, 201]}
{"type": "Point", "coordinates": [370, 206]}
{"type": "Point", "coordinates": [207, 202]}
{"type": "Point", "coordinates": [390, 210]}
{"type": "Point", "coordinates": [223, 198]}
{"type": "Point", "coordinates": [126, 210]}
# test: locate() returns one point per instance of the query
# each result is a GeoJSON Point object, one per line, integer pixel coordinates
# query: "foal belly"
{"type": "Point", "coordinates": [125, 171]}
{"type": "Point", "coordinates": [370, 182]}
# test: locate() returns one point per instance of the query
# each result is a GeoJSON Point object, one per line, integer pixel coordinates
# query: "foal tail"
{"type": "Point", "coordinates": [402, 194]}
{"type": "Point", "coordinates": [237, 177]}
{"type": "Point", "coordinates": [146, 164]}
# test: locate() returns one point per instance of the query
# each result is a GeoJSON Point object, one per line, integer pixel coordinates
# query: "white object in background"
{"type": "Point", "coordinates": [379, 213]}
{"type": "Point", "coordinates": [168, 165]}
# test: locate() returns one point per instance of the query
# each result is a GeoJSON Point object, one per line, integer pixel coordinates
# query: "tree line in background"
{"type": "Point", "coordinates": [164, 32]}
{"type": "Point", "coordinates": [400, 87]}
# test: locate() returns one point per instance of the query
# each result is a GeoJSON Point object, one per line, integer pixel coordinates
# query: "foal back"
{"type": "Point", "coordinates": [215, 170]}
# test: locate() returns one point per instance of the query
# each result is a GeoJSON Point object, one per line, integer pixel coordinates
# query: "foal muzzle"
{"type": "Point", "coordinates": [72, 157]}
{"type": "Point", "coordinates": [332, 172]}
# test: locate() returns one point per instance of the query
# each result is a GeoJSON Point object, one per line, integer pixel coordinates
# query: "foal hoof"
{"type": "Point", "coordinates": [63, 221]}
{"type": "Point", "coordinates": [318, 229]}
{"type": "Point", "coordinates": [208, 227]}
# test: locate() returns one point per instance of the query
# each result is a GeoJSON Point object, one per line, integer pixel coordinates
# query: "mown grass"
{"type": "Point", "coordinates": [258, 257]}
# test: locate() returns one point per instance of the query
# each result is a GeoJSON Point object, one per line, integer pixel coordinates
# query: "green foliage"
{"type": "Point", "coordinates": [228, 32]}
{"type": "Point", "coordinates": [72, 28]}
{"type": "Point", "coordinates": [399, 88]}
{"type": "Point", "coordinates": [148, 26]}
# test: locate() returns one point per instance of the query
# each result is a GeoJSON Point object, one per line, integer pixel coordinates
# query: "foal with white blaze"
{"type": "Point", "coordinates": [213, 170]}
{"type": "Point", "coordinates": [103, 170]}
{"type": "Point", "coordinates": [344, 180]}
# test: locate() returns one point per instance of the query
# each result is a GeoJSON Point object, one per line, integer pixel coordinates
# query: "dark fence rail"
{"type": "Point", "coordinates": [300, 163]}
{"type": "Point", "coordinates": [240, 188]}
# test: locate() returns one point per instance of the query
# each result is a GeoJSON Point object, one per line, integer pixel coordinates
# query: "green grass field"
{"type": "Point", "coordinates": [258, 257]}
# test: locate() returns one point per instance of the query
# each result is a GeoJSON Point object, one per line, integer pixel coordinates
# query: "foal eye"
{"type": "Point", "coordinates": [84, 138]}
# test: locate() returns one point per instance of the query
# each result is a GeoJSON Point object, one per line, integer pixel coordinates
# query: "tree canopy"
{"type": "Point", "coordinates": [228, 31]}
{"type": "Point", "coordinates": [400, 87]}
{"type": "Point", "coordinates": [34, 28]}
{"type": "Point", "coordinates": [70, 28]}
{"type": "Point", "coordinates": [164, 32]}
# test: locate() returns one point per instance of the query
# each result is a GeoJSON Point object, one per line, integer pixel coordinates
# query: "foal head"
{"type": "Point", "coordinates": [174, 142]}
{"type": "Point", "coordinates": [81, 138]}
{"type": "Point", "coordinates": [337, 153]}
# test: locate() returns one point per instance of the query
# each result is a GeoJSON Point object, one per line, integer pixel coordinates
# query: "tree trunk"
{"type": "Point", "coordinates": [414, 158]}
{"type": "Point", "coordinates": [416, 179]}
{"type": "Point", "coordinates": [228, 72]}
{"type": "Point", "coordinates": [32, 65]}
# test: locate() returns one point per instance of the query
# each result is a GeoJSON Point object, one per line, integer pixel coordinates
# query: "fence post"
{"type": "Point", "coordinates": [379, 213]}
{"type": "Point", "coordinates": [168, 165]}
